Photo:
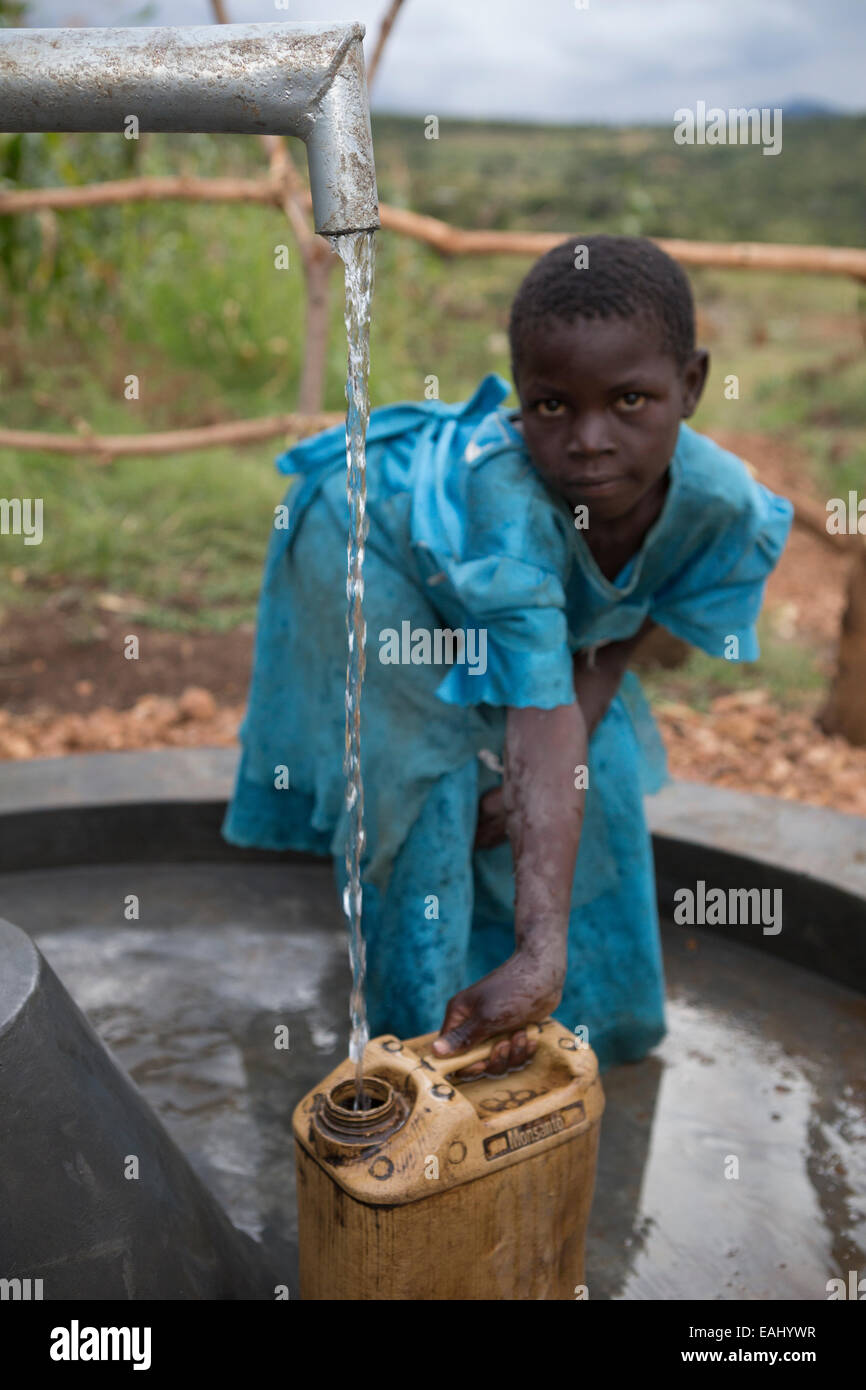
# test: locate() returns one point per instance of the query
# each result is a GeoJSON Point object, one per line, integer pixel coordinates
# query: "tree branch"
{"type": "Point", "coordinates": [110, 446]}
{"type": "Point", "coordinates": [384, 30]}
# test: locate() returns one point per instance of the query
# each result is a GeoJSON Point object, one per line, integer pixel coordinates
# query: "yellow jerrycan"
{"type": "Point", "coordinates": [449, 1189]}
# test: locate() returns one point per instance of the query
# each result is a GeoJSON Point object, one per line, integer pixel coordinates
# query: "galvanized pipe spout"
{"type": "Point", "coordinates": [306, 80]}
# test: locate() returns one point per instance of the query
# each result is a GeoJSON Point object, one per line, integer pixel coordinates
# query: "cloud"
{"type": "Point", "coordinates": [618, 60]}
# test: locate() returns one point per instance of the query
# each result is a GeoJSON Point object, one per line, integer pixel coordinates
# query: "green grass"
{"type": "Point", "coordinates": [184, 533]}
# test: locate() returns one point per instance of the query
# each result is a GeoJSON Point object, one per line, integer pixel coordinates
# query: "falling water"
{"type": "Point", "coordinates": [356, 251]}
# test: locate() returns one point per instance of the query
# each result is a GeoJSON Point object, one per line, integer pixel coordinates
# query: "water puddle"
{"type": "Point", "coordinates": [763, 1064]}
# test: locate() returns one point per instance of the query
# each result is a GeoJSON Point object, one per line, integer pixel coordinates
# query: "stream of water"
{"type": "Point", "coordinates": [356, 252]}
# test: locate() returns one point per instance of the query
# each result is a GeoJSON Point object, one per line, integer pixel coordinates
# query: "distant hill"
{"type": "Point", "coordinates": [800, 108]}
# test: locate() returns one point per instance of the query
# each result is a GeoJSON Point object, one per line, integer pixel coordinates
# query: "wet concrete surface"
{"type": "Point", "coordinates": [761, 1074]}
{"type": "Point", "coordinates": [96, 1199]}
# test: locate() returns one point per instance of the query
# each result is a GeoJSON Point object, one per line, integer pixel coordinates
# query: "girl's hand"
{"type": "Point", "coordinates": [526, 989]}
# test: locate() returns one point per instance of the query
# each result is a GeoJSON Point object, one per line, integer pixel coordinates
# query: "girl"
{"type": "Point", "coordinates": [508, 869]}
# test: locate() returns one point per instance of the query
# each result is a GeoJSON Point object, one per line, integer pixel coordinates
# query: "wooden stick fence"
{"type": "Point", "coordinates": [441, 236]}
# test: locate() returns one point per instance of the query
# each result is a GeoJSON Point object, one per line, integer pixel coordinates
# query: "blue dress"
{"type": "Point", "coordinates": [465, 537]}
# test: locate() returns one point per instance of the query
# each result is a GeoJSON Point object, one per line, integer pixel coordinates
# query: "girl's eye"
{"type": "Point", "coordinates": [550, 407]}
{"type": "Point", "coordinates": [632, 400]}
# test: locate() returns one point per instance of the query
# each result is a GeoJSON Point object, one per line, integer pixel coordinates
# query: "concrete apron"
{"type": "Point", "coordinates": [232, 944]}
{"type": "Point", "coordinates": [95, 1197]}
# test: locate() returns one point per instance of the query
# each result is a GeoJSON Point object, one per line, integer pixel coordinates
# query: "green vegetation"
{"type": "Point", "coordinates": [633, 180]}
{"type": "Point", "coordinates": [185, 296]}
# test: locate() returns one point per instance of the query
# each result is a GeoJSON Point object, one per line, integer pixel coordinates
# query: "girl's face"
{"type": "Point", "coordinates": [601, 403]}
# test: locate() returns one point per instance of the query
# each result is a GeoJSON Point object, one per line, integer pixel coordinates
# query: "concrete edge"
{"type": "Point", "coordinates": [814, 857]}
{"type": "Point", "coordinates": [167, 806]}
{"type": "Point", "coordinates": [821, 843]}
{"type": "Point", "coordinates": [22, 964]}
{"type": "Point", "coordinates": [86, 780]}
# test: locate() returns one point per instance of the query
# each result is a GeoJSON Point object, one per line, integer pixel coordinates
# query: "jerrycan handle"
{"type": "Point", "coordinates": [456, 1061]}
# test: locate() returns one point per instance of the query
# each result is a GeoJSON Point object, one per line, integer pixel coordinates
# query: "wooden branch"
{"type": "Point", "coordinates": [384, 30]}
{"type": "Point", "coordinates": [811, 516]}
{"type": "Point", "coordinates": [760, 255]}
{"type": "Point", "coordinates": [448, 240]}
{"type": "Point", "coordinates": [314, 370]}
{"type": "Point", "coordinates": [750, 255]}
{"type": "Point", "coordinates": [317, 259]}
{"type": "Point", "coordinates": [141, 190]}
{"type": "Point", "coordinates": [291, 191]}
{"type": "Point", "coordinates": [109, 446]}
{"type": "Point", "coordinates": [283, 172]}
{"type": "Point", "coordinates": [845, 710]}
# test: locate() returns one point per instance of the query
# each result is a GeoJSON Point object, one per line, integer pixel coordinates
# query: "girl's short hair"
{"type": "Point", "coordinates": [606, 277]}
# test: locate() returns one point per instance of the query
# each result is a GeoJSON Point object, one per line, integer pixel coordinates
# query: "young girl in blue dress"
{"type": "Point", "coordinates": [508, 871]}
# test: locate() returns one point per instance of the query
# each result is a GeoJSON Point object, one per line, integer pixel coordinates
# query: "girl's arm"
{"type": "Point", "coordinates": [544, 814]}
{"type": "Point", "coordinates": [594, 687]}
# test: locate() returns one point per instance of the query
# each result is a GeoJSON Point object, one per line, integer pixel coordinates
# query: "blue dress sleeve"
{"type": "Point", "coordinates": [492, 551]}
{"type": "Point", "coordinates": [717, 593]}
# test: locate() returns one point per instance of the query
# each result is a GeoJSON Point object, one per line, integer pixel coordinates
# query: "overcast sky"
{"type": "Point", "coordinates": [617, 60]}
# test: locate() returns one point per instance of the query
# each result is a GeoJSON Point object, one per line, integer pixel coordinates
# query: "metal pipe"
{"type": "Point", "coordinates": [306, 80]}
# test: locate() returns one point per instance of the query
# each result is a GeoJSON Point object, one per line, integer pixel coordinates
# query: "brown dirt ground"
{"type": "Point", "coordinates": [66, 686]}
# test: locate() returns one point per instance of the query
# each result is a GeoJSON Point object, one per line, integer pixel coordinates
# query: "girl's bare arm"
{"type": "Point", "coordinates": [596, 684]}
{"type": "Point", "coordinates": [595, 687]}
{"type": "Point", "coordinates": [544, 813]}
